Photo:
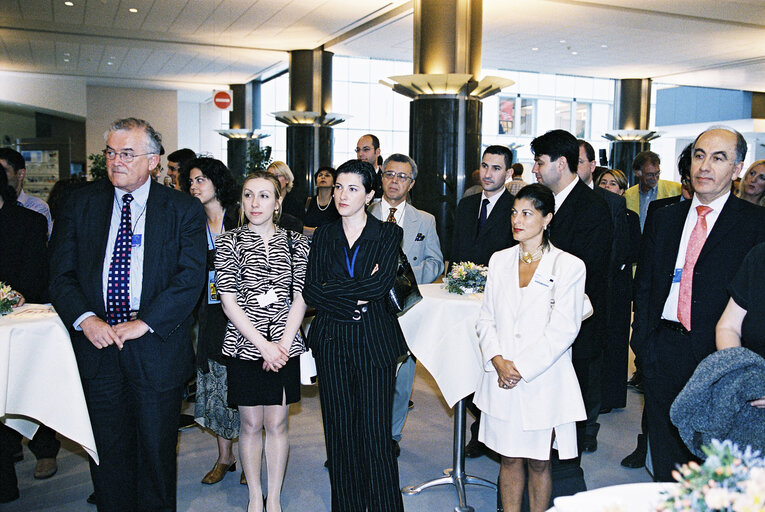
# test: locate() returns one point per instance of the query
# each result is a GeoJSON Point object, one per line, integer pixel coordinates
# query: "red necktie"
{"type": "Point", "coordinates": [695, 243]}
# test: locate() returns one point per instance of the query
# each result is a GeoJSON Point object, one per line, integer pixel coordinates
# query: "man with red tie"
{"type": "Point", "coordinates": [691, 250]}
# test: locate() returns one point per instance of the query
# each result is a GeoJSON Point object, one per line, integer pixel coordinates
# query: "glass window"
{"type": "Point", "coordinates": [582, 120]}
{"type": "Point", "coordinates": [563, 115]}
{"type": "Point", "coordinates": [527, 122]}
{"type": "Point", "coordinates": [506, 115]}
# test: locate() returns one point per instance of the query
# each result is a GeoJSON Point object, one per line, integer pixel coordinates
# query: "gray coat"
{"type": "Point", "coordinates": [714, 402]}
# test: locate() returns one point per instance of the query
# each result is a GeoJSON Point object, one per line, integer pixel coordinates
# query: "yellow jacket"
{"type": "Point", "coordinates": [665, 189]}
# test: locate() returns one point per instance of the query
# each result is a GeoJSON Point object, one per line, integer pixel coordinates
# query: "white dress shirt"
{"type": "Point", "coordinates": [398, 214]}
{"type": "Point", "coordinates": [670, 306]}
{"type": "Point", "coordinates": [492, 201]}
{"type": "Point", "coordinates": [561, 196]}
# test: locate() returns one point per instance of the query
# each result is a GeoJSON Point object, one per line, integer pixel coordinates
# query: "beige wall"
{"type": "Point", "coordinates": [107, 104]}
{"type": "Point", "coordinates": [57, 95]}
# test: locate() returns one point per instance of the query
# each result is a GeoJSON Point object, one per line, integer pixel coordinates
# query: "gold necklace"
{"type": "Point", "coordinates": [528, 257]}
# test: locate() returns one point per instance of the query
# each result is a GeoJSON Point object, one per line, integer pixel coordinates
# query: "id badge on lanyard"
{"type": "Point", "coordinates": [212, 292]}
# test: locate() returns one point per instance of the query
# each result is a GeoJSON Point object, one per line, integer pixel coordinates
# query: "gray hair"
{"type": "Point", "coordinates": [154, 139]}
{"type": "Point", "coordinates": [404, 159]}
{"type": "Point", "coordinates": [740, 141]}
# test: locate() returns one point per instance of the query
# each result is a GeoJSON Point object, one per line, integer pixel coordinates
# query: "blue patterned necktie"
{"type": "Point", "coordinates": [118, 285]}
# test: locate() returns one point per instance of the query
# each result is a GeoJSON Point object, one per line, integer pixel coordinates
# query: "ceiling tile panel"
{"type": "Point", "coordinates": [133, 60]}
{"type": "Point", "coordinates": [193, 15]}
{"type": "Point", "coordinates": [9, 9]}
{"type": "Point", "coordinates": [36, 10]}
{"type": "Point", "coordinates": [67, 56]}
{"type": "Point", "coordinates": [19, 51]}
{"type": "Point", "coordinates": [100, 14]}
{"type": "Point", "coordinates": [162, 15]}
{"type": "Point", "coordinates": [90, 59]}
{"type": "Point", "coordinates": [43, 53]}
{"type": "Point", "coordinates": [74, 15]}
{"type": "Point", "coordinates": [156, 63]}
{"type": "Point", "coordinates": [111, 60]}
{"type": "Point", "coordinates": [126, 20]}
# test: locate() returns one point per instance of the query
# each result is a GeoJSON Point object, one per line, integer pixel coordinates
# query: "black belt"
{"type": "Point", "coordinates": [675, 326]}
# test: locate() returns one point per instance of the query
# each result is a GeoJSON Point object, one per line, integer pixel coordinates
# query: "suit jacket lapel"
{"type": "Point", "coordinates": [495, 217]}
{"type": "Point", "coordinates": [153, 236]}
{"type": "Point", "coordinates": [411, 222]}
{"type": "Point", "coordinates": [673, 232]}
{"type": "Point", "coordinates": [725, 221]}
{"type": "Point", "coordinates": [100, 211]}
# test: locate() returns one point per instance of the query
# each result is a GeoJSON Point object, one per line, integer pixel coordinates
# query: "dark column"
{"type": "Point", "coordinates": [632, 109]}
{"type": "Point", "coordinates": [445, 130]}
{"type": "Point", "coordinates": [445, 141]}
{"type": "Point", "coordinates": [309, 145]}
{"type": "Point", "coordinates": [236, 149]}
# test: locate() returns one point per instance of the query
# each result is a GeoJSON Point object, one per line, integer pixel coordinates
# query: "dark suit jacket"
{"type": "Point", "coordinates": [620, 241]}
{"type": "Point", "coordinates": [582, 226]}
{"type": "Point", "coordinates": [173, 275]}
{"type": "Point", "coordinates": [739, 227]}
{"type": "Point", "coordinates": [496, 234]}
{"type": "Point", "coordinates": [661, 203]}
{"type": "Point", "coordinates": [23, 252]}
{"type": "Point", "coordinates": [335, 294]}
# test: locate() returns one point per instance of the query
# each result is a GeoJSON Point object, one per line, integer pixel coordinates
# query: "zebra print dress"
{"type": "Point", "coordinates": [241, 267]}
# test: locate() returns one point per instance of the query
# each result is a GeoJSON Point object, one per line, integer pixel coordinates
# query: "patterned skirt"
{"type": "Point", "coordinates": [211, 408]}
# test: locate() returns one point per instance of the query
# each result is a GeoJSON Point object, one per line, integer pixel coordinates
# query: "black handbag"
{"type": "Point", "coordinates": [405, 292]}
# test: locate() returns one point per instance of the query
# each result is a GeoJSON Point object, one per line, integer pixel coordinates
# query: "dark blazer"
{"type": "Point", "coordinates": [661, 203]}
{"type": "Point", "coordinates": [583, 228]}
{"type": "Point", "coordinates": [334, 293]}
{"type": "Point", "coordinates": [23, 252]}
{"type": "Point", "coordinates": [620, 240]}
{"type": "Point", "coordinates": [173, 274]}
{"type": "Point", "coordinates": [739, 227]}
{"type": "Point", "coordinates": [496, 234]}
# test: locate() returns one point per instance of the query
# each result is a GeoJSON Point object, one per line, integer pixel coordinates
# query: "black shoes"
{"type": "Point", "coordinates": [475, 448]}
{"type": "Point", "coordinates": [636, 381]}
{"type": "Point", "coordinates": [589, 443]}
{"type": "Point", "coordinates": [92, 498]}
{"type": "Point", "coordinates": [636, 459]}
{"type": "Point", "coordinates": [396, 449]}
{"type": "Point", "coordinates": [411, 404]}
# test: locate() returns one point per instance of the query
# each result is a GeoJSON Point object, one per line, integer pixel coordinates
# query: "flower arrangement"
{"type": "Point", "coordinates": [728, 481]}
{"type": "Point", "coordinates": [466, 277]}
{"type": "Point", "coordinates": [8, 298]}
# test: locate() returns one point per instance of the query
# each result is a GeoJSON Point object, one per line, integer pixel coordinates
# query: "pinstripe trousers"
{"type": "Point", "coordinates": [356, 406]}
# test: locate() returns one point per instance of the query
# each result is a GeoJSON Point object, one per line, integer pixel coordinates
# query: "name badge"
{"type": "Point", "coordinates": [677, 275]}
{"type": "Point", "coordinates": [545, 280]}
{"type": "Point", "coordinates": [264, 299]}
{"type": "Point", "coordinates": [136, 240]}
{"type": "Point", "coordinates": [212, 292]}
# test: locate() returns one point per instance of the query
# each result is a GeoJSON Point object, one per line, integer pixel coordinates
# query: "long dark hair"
{"type": "Point", "coordinates": [7, 192]}
{"type": "Point", "coordinates": [544, 202]}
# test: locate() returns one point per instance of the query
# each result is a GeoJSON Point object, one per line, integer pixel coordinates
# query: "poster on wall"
{"type": "Point", "coordinates": [506, 115]}
{"type": "Point", "coordinates": [42, 172]}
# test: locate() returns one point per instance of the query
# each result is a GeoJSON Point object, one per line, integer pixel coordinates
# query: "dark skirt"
{"type": "Point", "coordinates": [249, 384]}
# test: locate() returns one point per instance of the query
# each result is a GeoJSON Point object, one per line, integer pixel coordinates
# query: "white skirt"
{"type": "Point", "coordinates": [508, 438]}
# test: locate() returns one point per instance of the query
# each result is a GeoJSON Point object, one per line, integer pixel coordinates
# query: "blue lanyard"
{"type": "Point", "coordinates": [210, 239]}
{"type": "Point", "coordinates": [351, 264]}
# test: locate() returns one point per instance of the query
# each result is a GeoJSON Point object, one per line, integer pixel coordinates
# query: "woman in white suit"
{"type": "Point", "coordinates": [531, 313]}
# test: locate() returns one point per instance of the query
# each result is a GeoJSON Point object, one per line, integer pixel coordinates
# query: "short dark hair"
{"type": "Point", "coordinates": [402, 159]}
{"type": "Point", "coordinates": [517, 169]}
{"type": "Point", "coordinates": [7, 192]}
{"type": "Point", "coordinates": [544, 202]}
{"type": "Point", "coordinates": [216, 171]}
{"type": "Point", "coordinates": [684, 162]}
{"type": "Point", "coordinates": [14, 158]}
{"type": "Point", "coordinates": [504, 151]}
{"type": "Point", "coordinates": [588, 150]}
{"type": "Point", "coordinates": [740, 141]}
{"type": "Point", "coordinates": [375, 140]}
{"type": "Point", "coordinates": [645, 157]}
{"type": "Point", "coordinates": [363, 169]}
{"type": "Point", "coordinates": [182, 155]}
{"type": "Point", "coordinates": [555, 144]}
{"type": "Point", "coordinates": [326, 168]}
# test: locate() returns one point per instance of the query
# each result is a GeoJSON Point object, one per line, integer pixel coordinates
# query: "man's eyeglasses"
{"type": "Point", "coordinates": [402, 176]}
{"type": "Point", "coordinates": [125, 156]}
{"type": "Point", "coordinates": [652, 174]}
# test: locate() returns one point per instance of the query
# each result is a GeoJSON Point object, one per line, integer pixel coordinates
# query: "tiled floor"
{"type": "Point", "coordinates": [425, 452]}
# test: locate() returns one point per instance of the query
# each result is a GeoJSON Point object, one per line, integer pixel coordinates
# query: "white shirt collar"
{"type": "Point", "coordinates": [561, 196]}
{"type": "Point", "coordinates": [140, 195]}
{"type": "Point", "coordinates": [398, 214]}
{"type": "Point", "coordinates": [716, 205]}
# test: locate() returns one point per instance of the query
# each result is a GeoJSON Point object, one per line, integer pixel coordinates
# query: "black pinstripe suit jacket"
{"type": "Point", "coordinates": [335, 294]}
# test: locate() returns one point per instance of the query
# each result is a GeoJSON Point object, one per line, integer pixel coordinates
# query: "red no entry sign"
{"type": "Point", "coordinates": [223, 100]}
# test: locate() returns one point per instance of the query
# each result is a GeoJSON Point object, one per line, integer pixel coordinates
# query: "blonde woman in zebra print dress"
{"type": "Point", "coordinates": [260, 271]}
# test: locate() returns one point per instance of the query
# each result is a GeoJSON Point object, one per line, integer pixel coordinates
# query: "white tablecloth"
{"type": "Point", "coordinates": [440, 332]}
{"type": "Point", "coordinates": [39, 378]}
{"type": "Point", "coordinates": [642, 497]}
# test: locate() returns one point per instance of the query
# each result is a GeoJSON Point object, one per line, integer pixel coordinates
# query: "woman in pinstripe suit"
{"type": "Point", "coordinates": [356, 340]}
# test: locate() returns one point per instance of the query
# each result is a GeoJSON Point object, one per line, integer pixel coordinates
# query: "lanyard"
{"type": "Point", "coordinates": [210, 239]}
{"type": "Point", "coordinates": [351, 264]}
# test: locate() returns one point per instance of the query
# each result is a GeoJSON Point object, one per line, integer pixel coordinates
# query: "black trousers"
{"type": "Point", "coordinates": [588, 373]}
{"type": "Point", "coordinates": [356, 407]}
{"type": "Point", "coordinates": [663, 380]}
{"type": "Point", "coordinates": [44, 445]}
{"type": "Point", "coordinates": [136, 433]}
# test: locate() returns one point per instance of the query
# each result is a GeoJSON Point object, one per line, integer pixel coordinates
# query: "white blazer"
{"type": "Point", "coordinates": [535, 331]}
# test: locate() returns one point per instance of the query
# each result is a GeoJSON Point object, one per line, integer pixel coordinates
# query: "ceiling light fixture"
{"type": "Point", "coordinates": [534, 49]}
{"type": "Point", "coordinates": [604, 46]}
{"type": "Point", "coordinates": [133, 10]}
{"type": "Point", "coordinates": [110, 63]}
{"type": "Point", "coordinates": [562, 41]}
{"type": "Point", "coordinates": [69, 4]}
{"type": "Point", "coordinates": [574, 53]}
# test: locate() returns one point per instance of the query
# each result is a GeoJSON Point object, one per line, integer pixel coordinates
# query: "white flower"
{"type": "Point", "coordinates": [718, 498]}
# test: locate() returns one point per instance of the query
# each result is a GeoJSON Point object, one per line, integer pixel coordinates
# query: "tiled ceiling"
{"type": "Point", "coordinates": [196, 43]}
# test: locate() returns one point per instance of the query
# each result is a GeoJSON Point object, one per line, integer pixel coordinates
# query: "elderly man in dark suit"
{"type": "Point", "coordinates": [691, 250]}
{"type": "Point", "coordinates": [581, 226]}
{"type": "Point", "coordinates": [127, 267]}
{"type": "Point", "coordinates": [482, 227]}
